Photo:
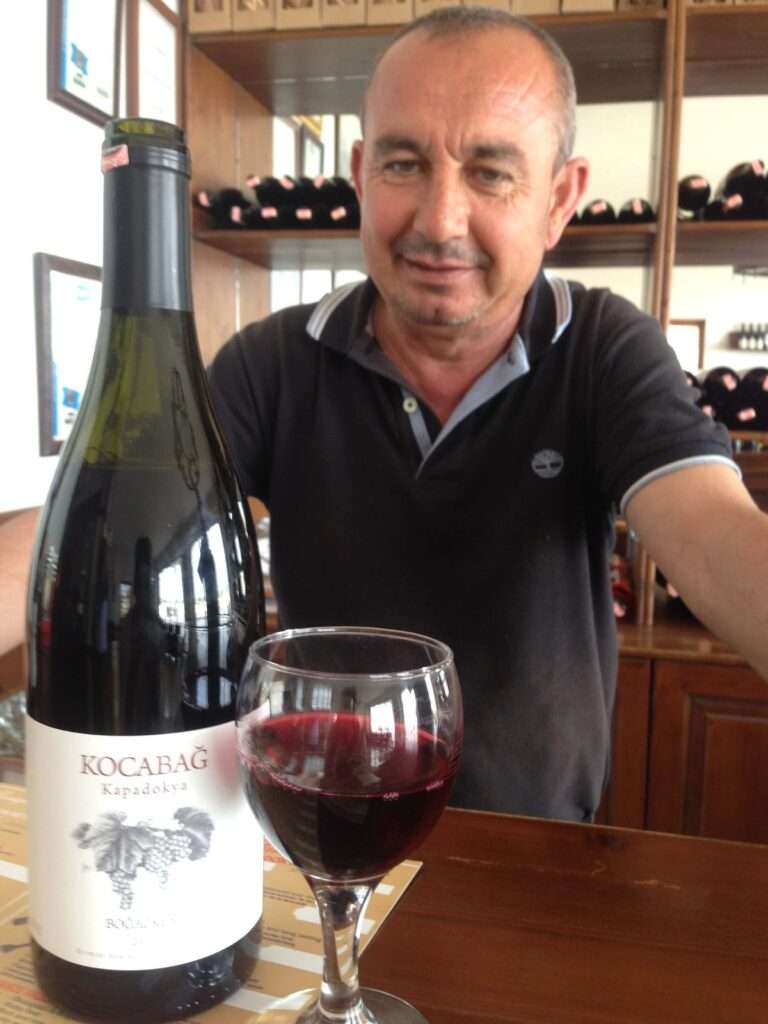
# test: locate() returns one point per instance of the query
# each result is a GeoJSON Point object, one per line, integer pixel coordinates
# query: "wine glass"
{"type": "Point", "coordinates": [349, 739]}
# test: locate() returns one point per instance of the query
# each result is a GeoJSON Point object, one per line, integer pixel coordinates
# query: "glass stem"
{"type": "Point", "coordinates": [341, 911]}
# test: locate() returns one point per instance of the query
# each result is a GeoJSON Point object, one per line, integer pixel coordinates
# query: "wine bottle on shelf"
{"type": "Point", "coordinates": [308, 191]}
{"type": "Point", "coordinates": [339, 217]}
{"type": "Point", "coordinates": [599, 211]}
{"type": "Point", "coordinates": [227, 208]}
{"type": "Point", "coordinates": [273, 191]}
{"type": "Point", "coordinates": [693, 193]}
{"type": "Point", "coordinates": [753, 393]}
{"type": "Point", "coordinates": [749, 181]}
{"type": "Point", "coordinates": [724, 208]}
{"type": "Point", "coordinates": [636, 211]}
{"type": "Point", "coordinates": [303, 218]}
{"type": "Point", "coordinates": [720, 387]}
{"type": "Point", "coordinates": [145, 593]}
{"type": "Point", "coordinates": [270, 218]}
{"type": "Point", "coordinates": [342, 192]}
{"type": "Point", "coordinates": [699, 396]}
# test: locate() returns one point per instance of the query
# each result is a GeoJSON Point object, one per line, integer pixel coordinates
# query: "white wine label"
{"type": "Point", "coordinates": [143, 852]}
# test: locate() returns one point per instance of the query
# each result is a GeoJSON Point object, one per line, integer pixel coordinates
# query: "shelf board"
{"type": "Point", "coordinates": [612, 245]}
{"type": "Point", "coordinates": [324, 71]}
{"type": "Point", "coordinates": [609, 245]}
{"type": "Point", "coordinates": [726, 51]}
{"type": "Point", "coordinates": [742, 243]}
{"type": "Point", "coordinates": [722, 243]}
{"type": "Point", "coordinates": [290, 250]}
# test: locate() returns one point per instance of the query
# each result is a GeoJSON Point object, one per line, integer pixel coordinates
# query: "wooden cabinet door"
{"type": "Point", "coordinates": [624, 801]}
{"type": "Point", "coordinates": [709, 751]}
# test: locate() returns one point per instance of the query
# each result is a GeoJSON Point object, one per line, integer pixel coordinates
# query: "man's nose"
{"type": "Point", "coordinates": [443, 209]}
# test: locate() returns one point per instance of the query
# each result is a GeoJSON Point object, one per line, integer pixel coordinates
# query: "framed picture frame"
{"type": "Point", "coordinates": [688, 339]}
{"type": "Point", "coordinates": [67, 310]}
{"type": "Point", "coordinates": [154, 58]}
{"type": "Point", "coordinates": [84, 57]}
{"type": "Point", "coordinates": [311, 153]}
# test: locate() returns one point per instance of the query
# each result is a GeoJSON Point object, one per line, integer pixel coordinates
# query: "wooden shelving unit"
{"type": "Point", "coordinates": [325, 70]}
{"type": "Point", "coordinates": [662, 54]}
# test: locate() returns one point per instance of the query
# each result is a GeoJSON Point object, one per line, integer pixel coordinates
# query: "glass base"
{"type": "Point", "coordinates": [301, 1008]}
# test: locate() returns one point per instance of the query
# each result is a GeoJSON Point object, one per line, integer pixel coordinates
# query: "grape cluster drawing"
{"type": "Point", "coordinates": [122, 850]}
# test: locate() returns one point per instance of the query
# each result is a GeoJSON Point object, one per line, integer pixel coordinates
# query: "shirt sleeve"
{"type": "Point", "coordinates": [647, 422]}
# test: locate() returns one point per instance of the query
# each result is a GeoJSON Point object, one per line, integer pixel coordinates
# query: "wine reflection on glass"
{"type": "Point", "coordinates": [349, 740]}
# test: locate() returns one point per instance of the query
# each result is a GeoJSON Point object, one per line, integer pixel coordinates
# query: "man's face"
{"type": "Point", "coordinates": [456, 176]}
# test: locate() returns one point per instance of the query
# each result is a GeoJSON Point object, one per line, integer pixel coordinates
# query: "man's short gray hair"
{"type": "Point", "coordinates": [450, 21]}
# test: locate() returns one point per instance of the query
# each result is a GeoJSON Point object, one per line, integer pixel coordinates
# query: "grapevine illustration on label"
{"type": "Point", "coordinates": [121, 850]}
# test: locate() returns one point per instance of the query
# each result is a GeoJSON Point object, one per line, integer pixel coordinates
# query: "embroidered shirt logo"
{"type": "Point", "coordinates": [547, 463]}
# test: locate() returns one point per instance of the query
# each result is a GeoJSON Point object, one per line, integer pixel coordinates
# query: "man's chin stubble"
{"type": "Point", "coordinates": [437, 317]}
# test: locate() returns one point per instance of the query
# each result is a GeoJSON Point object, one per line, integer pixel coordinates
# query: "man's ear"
{"type": "Point", "coordinates": [356, 166]}
{"type": "Point", "coordinates": [568, 189]}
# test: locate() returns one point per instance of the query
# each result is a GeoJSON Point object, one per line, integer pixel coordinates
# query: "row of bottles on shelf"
{"type": "Point", "coordinates": [742, 195]}
{"type": "Point", "coordinates": [738, 401]}
{"type": "Point", "coordinates": [284, 203]}
{"type": "Point", "coordinates": [320, 202]}
{"type": "Point", "coordinates": [600, 211]}
{"type": "Point", "coordinates": [750, 338]}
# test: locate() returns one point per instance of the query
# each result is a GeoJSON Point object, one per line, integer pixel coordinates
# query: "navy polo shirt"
{"type": "Point", "coordinates": [492, 532]}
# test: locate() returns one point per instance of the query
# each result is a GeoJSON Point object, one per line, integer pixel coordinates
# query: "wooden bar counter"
{"type": "Point", "coordinates": [536, 922]}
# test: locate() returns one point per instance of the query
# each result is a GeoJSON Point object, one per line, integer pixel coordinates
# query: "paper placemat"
{"type": "Point", "coordinates": [290, 954]}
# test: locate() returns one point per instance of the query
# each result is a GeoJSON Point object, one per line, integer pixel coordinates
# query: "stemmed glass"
{"type": "Point", "coordinates": [349, 739]}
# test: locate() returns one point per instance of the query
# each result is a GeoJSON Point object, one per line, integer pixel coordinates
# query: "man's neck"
{"type": "Point", "coordinates": [440, 364]}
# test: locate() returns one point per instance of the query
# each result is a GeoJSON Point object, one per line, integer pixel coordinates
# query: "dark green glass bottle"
{"type": "Point", "coordinates": [145, 593]}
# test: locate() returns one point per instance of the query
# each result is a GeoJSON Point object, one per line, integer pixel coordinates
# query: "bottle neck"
{"type": "Point", "coordinates": [146, 238]}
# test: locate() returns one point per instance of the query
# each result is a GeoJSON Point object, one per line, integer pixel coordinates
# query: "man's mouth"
{"type": "Point", "coordinates": [430, 267]}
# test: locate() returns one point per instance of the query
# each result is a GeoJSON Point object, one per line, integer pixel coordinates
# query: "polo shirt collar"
{"type": "Point", "coordinates": [340, 319]}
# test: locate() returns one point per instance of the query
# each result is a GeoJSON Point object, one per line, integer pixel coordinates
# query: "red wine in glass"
{"type": "Point", "coordinates": [310, 785]}
{"type": "Point", "coordinates": [349, 739]}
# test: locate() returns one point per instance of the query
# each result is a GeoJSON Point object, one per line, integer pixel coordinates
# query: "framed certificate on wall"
{"type": "Point", "coordinates": [84, 56]}
{"type": "Point", "coordinates": [67, 311]}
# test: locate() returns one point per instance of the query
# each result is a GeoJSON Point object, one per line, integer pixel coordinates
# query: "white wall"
{"type": "Point", "coordinates": [50, 179]}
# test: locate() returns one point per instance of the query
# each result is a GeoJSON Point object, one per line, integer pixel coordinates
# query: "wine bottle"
{"type": "Point", "coordinates": [227, 208]}
{"type": "Point", "coordinates": [270, 218]}
{"type": "Point", "coordinates": [599, 211]}
{"type": "Point", "coordinates": [724, 208]}
{"type": "Point", "coordinates": [749, 181]}
{"type": "Point", "coordinates": [720, 387]}
{"type": "Point", "coordinates": [272, 191]}
{"type": "Point", "coordinates": [693, 193]}
{"type": "Point", "coordinates": [636, 211]}
{"type": "Point", "coordinates": [145, 592]}
{"type": "Point", "coordinates": [753, 394]}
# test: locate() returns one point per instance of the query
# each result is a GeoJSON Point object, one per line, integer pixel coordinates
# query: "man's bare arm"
{"type": "Point", "coordinates": [17, 535]}
{"type": "Point", "coordinates": [702, 527]}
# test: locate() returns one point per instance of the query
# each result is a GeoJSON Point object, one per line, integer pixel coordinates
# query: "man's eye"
{"type": "Point", "coordinates": [401, 167]}
{"type": "Point", "coordinates": [492, 178]}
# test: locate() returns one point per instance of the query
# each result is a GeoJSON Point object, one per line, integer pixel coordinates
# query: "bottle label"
{"type": "Point", "coordinates": [143, 852]}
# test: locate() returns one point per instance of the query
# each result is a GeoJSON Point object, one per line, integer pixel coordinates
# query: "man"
{"type": "Point", "coordinates": [443, 447]}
